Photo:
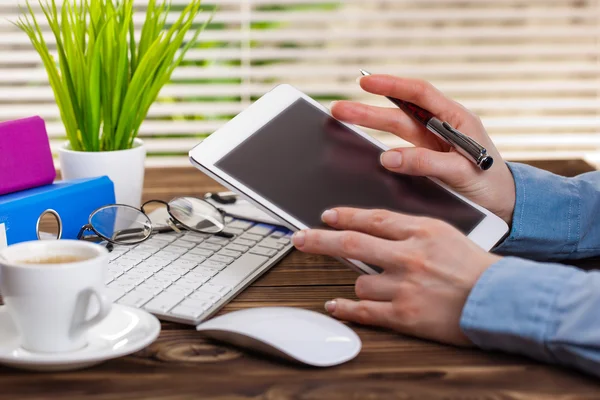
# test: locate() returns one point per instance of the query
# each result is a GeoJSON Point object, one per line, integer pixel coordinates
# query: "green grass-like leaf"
{"type": "Point", "coordinates": [105, 81]}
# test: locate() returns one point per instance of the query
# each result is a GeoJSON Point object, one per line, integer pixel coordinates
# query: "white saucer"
{"type": "Point", "coordinates": [124, 331]}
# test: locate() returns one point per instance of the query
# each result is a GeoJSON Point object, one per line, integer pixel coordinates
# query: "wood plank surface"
{"type": "Point", "coordinates": [182, 365]}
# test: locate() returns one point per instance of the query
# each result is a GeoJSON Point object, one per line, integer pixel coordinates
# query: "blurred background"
{"type": "Point", "coordinates": [530, 69]}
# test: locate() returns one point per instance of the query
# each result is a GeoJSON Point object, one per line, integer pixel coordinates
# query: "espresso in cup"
{"type": "Point", "coordinates": [62, 259]}
{"type": "Point", "coordinates": [54, 291]}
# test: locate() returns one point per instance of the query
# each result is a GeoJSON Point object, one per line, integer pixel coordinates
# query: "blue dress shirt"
{"type": "Point", "coordinates": [546, 311]}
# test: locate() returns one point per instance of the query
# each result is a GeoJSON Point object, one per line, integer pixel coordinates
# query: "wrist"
{"type": "Point", "coordinates": [509, 194]}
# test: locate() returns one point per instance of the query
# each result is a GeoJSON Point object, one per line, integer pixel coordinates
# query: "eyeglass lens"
{"type": "Point", "coordinates": [197, 214]}
{"type": "Point", "coordinates": [121, 224]}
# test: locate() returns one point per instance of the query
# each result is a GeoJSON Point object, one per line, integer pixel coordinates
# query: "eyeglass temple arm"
{"type": "Point", "coordinates": [166, 228]}
{"type": "Point", "coordinates": [80, 235]}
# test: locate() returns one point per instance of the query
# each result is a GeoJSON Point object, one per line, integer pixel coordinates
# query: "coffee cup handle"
{"type": "Point", "coordinates": [104, 307]}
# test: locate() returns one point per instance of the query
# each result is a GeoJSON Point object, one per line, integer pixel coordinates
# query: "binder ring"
{"type": "Point", "coordinates": [58, 220]}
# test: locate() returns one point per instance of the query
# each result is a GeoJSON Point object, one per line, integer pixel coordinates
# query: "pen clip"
{"type": "Point", "coordinates": [462, 136]}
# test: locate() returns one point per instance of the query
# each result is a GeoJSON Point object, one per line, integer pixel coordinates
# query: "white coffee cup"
{"type": "Point", "coordinates": [50, 302]}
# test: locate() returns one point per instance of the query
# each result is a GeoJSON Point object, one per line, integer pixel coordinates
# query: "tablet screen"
{"type": "Point", "coordinates": [304, 161]}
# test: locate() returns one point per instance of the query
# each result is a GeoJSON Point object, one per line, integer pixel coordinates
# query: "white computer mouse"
{"type": "Point", "coordinates": [295, 334]}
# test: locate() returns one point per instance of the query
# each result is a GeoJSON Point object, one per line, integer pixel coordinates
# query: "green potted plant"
{"type": "Point", "coordinates": [105, 79]}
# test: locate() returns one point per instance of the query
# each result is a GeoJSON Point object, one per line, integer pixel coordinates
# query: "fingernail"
{"type": "Point", "coordinates": [332, 104]}
{"type": "Point", "coordinates": [298, 238]}
{"type": "Point", "coordinates": [358, 79]}
{"type": "Point", "coordinates": [330, 306]}
{"type": "Point", "coordinates": [391, 159]}
{"type": "Point", "coordinates": [330, 217]}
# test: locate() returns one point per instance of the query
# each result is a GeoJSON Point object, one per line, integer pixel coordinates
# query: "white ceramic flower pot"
{"type": "Point", "coordinates": [125, 168]}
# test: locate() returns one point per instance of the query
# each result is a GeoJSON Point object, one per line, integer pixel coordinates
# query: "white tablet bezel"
{"type": "Point", "coordinates": [205, 155]}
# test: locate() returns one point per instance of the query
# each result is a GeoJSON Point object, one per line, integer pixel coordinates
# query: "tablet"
{"type": "Point", "coordinates": [288, 156]}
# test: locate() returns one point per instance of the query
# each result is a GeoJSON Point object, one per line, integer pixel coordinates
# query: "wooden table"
{"type": "Point", "coordinates": [181, 365]}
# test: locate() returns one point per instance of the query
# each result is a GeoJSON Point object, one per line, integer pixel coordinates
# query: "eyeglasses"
{"type": "Point", "coordinates": [125, 225]}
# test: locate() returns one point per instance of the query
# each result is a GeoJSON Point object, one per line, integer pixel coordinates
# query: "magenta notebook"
{"type": "Point", "coordinates": [25, 156]}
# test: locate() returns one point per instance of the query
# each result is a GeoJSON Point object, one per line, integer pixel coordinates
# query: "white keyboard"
{"type": "Point", "coordinates": [187, 277]}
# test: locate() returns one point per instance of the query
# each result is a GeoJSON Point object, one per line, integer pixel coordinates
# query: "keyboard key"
{"type": "Point", "coordinates": [176, 269]}
{"type": "Point", "coordinates": [260, 229]}
{"type": "Point", "coordinates": [205, 270]}
{"type": "Point", "coordinates": [228, 253]}
{"type": "Point", "coordinates": [187, 312]}
{"type": "Point", "coordinates": [108, 279]}
{"type": "Point", "coordinates": [217, 240]}
{"type": "Point", "coordinates": [277, 234]}
{"type": "Point", "coordinates": [193, 239]}
{"type": "Point", "coordinates": [114, 293]}
{"type": "Point", "coordinates": [153, 289]}
{"type": "Point", "coordinates": [237, 247]}
{"type": "Point", "coordinates": [113, 256]}
{"type": "Point", "coordinates": [135, 298]}
{"type": "Point", "coordinates": [122, 268]}
{"type": "Point", "coordinates": [195, 258]}
{"type": "Point", "coordinates": [130, 278]}
{"type": "Point", "coordinates": [117, 248]}
{"type": "Point", "coordinates": [184, 243]}
{"type": "Point", "coordinates": [132, 256]}
{"type": "Point", "coordinates": [234, 231]}
{"type": "Point", "coordinates": [205, 296]}
{"type": "Point", "coordinates": [243, 242]}
{"type": "Point", "coordinates": [240, 224]}
{"type": "Point", "coordinates": [221, 259]}
{"type": "Point", "coordinates": [250, 236]}
{"type": "Point", "coordinates": [192, 236]}
{"type": "Point", "coordinates": [140, 272]}
{"type": "Point", "coordinates": [189, 264]}
{"type": "Point", "coordinates": [271, 243]}
{"type": "Point", "coordinates": [168, 275]}
{"type": "Point", "coordinates": [192, 282]}
{"type": "Point", "coordinates": [163, 302]}
{"type": "Point", "coordinates": [149, 267]}
{"type": "Point", "coordinates": [284, 241]}
{"type": "Point", "coordinates": [209, 246]}
{"type": "Point", "coordinates": [184, 290]}
{"type": "Point", "coordinates": [140, 255]}
{"type": "Point", "coordinates": [200, 252]}
{"type": "Point", "coordinates": [239, 270]}
{"type": "Point", "coordinates": [263, 251]}
{"type": "Point", "coordinates": [114, 269]}
{"type": "Point", "coordinates": [156, 261]}
{"type": "Point", "coordinates": [146, 247]}
{"type": "Point", "coordinates": [156, 242]}
{"type": "Point", "coordinates": [175, 249]}
{"type": "Point", "coordinates": [228, 219]}
{"type": "Point", "coordinates": [215, 288]}
{"type": "Point", "coordinates": [159, 282]}
{"type": "Point", "coordinates": [116, 274]}
{"type": "Point", "coordinates": [126, 262]}
{"type": "Point", "coordinates": [167, 236]}
{"type": "Point", "coordinates": [195, 303]}
{"type": "Point", "coordinates": [213, 264]}
{"type": "Point", "coordinates": [165, 255]}
{"type": "Point", "coordinates": [122, 286]}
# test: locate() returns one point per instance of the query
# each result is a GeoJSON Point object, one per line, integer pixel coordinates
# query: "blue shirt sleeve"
{"type": "Point", "coordinates": [549, 312]}
{"type": "Point", "coordinates": [555, 218]}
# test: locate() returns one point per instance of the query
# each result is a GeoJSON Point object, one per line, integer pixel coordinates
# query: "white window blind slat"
{"type": "Point", "coordinates": [449, 70]}
{"type": "Point", "coordinates": [530, 69]}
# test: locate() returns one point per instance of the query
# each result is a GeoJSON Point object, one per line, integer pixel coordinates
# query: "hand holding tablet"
{"type": "Point", "coordinates": [290, 158]}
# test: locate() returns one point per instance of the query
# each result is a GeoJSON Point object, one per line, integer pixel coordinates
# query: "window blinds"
{"type": "Point", "coordinates": [530, 69]}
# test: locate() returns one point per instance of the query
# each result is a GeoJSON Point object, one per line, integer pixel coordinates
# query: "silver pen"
{"type": "Point", "coordinates": [466, 146]}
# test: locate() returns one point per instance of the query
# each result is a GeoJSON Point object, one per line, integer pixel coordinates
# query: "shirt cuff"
{"type": "Point", "coordinates": [511, 307]}
{"type": "Point", "coordinates": [546, 219]}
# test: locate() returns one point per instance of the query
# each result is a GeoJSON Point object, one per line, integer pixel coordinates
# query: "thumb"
{"type": "Point", "coordinates": [449, 167]}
